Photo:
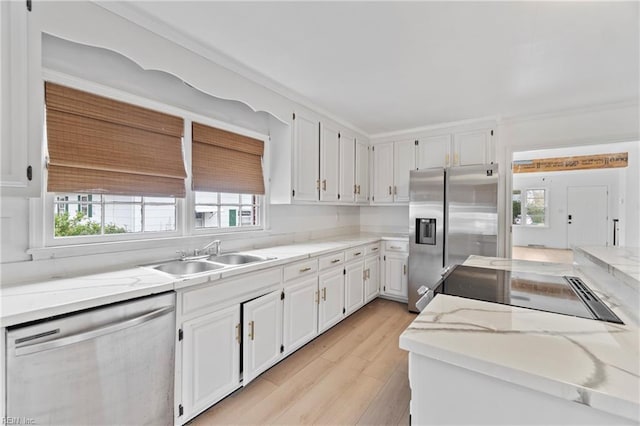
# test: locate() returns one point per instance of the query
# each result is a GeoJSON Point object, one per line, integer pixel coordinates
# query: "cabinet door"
{"type": "Point", "coordinates": [372, 281]}
{"type": "Point", "coordinates": [210, 359]}
{"type": "Point", "coordinates": [347, 191]}
{"type": "Point", "coordinates": [331, 288]}
{"type": "Point", "coordinates": [404, 160]}
{"type": "Point", "coordinates": [396, 279]}
{"type": "Point", "coordinates": [433, 151]}
{"type": "Point", "coordinates": [354, 287]}
{"type": "Point", "coordinates": [329, 163]}
{"type": "Point", "coordinates": [362, 172]}
{"type": "Point", "coordinates": [383, 173]}
{"type": "Point", "coordinates": [300, 313]}
{"type": "Point", "coordinates": [306, 145]}
{"type": "Point", "coordinates": [262, 328]}
{"type": "Point", "coordinates": [472, 148]}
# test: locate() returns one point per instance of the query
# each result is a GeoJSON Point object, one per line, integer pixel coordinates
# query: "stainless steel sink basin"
{"type": "Point", "coordinates": [236, 259]}
{"type": "Point", "coordinates": [185, 267]}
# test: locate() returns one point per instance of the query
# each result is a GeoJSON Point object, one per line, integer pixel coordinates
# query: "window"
{"type": "Point", "coordinates": [224, 210]}
{"type": "Point", "coordinates": [529, 207]}
{"type": "Point", "coordinates": [96, 214]}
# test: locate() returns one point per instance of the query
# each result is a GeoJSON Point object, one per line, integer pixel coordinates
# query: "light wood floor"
{"type": "Point", "coordinates": [542, 254]}
{"type": "Point", "coordinates": [354, 373]}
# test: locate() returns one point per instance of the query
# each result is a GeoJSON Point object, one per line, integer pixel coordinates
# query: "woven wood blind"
{"type": "Point", "coordinates": [226, 162]}
{"type": "Point", "coordinates": [100, 145]}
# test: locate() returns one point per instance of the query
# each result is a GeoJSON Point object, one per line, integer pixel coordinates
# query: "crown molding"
{"type": "Point", "coordinates": [492, 119]}
{"type": "Point", "coordinates": [607, 106]}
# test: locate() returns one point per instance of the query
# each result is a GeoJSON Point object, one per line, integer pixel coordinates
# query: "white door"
{"type": "Point", "coordinates": [210, 359]}
{"type": "Point", "coordinates": [372, 281]}
{"type": "Point", "coordinates": [433, 151]}
{"type": "Point", "coordinates": [347, 192]}
{"type": "Point", "coordinates": [306, 145]}
{"type": "Point", "coordinates": [300, 313]}
{"type": "Point", "coordinates": [587, 208]}
{"type": "Point", "coordinates": [382, 173]}
{"type": "Point", "coordinates": [354, 287]}
{"type": "Point", "coordinates": [331, 288]}
{"type": "Point", "coordinates": [471, 147]}
{"type": "Point", "coordinates": [396, 279]}
{"type": "Point", "coordinates": [329, 163]}
{"type": "Point", "coordinates": [362, 172]}
{"type": "Point", "coordinates": [262, 328]}
{"type": "Point", "coordinates": [404, 160]}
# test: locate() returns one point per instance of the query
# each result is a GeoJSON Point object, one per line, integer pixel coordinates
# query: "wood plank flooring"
{"type": "Point", "coordinates": [542, 254]}
{"type": "Point", "coordinates": [354, 373]}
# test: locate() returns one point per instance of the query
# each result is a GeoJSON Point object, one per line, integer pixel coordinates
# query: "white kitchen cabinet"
{"type": "Point", "coordinates": [354, 286]}
{"type": "Point", "coordinates": [300, 313]}
{"type": "Point", "coordinates": [362, 172]}
{"type": "Point", "coordinates": [306, 147]}
{"type": "Point", "coordinates": [331, 291]}
{"type": "Point", "coordinates": [395, 275]}
{"type": "Point", "coordinates": [433, 151]}
{"type": "Point", "coordinates": [21, 100]}
{"type": "Point", "coordinates": [382, 173]}
{"type": "Point", "coordinates": [210, 359]}
{"type": "Point", "coordinates": [472, 147]}
{"type": "Point", "coordinates": [262, 328]}
{"type": "Point", "coordinates": [348, 189]}
{"type": "Point", "coordinates": [404, 161]}
{"type": "Point", "coordinates": [329, 163]}
{"type": "Point", "coordinates": [372, 278]}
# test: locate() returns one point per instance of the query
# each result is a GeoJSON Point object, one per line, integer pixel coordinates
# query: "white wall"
{"type": "Point", "coordinates": [393, 219]}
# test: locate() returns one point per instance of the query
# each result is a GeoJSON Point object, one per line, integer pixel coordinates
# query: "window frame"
{"type": "Point", "coordinates": [41, 223]}
{"type": "Point", "coordinates": [223, 230]}
{"type": "Point", "coordinates": [523, 206]}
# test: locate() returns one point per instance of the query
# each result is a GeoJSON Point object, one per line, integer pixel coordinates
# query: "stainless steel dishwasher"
{"type": "Point", "coordinates": [110, 365]}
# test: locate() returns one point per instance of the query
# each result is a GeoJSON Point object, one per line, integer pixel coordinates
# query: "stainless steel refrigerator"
{"type": "Point", "coordinates": [452, 214]}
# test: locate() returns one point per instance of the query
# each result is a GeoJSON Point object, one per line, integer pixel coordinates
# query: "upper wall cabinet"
{"type": "Point", "coordinates": [21, 94]}
{"type": "Point", "coordinates": [306, 148]}
{"type": "Point", "coordinates": [362, 172]}
{"type": "Point", "coordinates": [392, 163]}
{"type": "Point", "coordinates": [329, 163]}
{"type": "Point", "coordinates": [457, 149]}
{"type": "Point", "coordinates": [348, 189]}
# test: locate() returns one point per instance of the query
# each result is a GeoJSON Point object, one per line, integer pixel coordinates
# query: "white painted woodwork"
{"type": "Point", "coordinates": [362, 172]}
{"type": "Point", "coordinates": [21, 102]}
{"type": "Point", "coordinates": [331, 290]}
{"type": "Point", "coordinates": [354, 287]}
{"type": "Point", "coordinates": [588, 207]}
{"type": "Point", "coordinates": [210, 359]}
{"type": "Point", "coordinates": [348, 190]}
{"type": "Point", "coordinates": [404, 160]}
{"type": "Point", "coordinates": [300, 313]}
{"type": "Point", "coordinates": [472, 148]}
{"type": "Point", "coordinates": [372, 280]}
{"type": "Point", "coordinates": [396, 278]}
{"type": "Point", "coordinates": [433, 151]}
{"type": "Point", "coordinates": [299, 269]}
{"type": "Point", "coordinates": [396, 246]}
{"type": "Point", "coordinates": [262, 335]}
{"type": "Point", "coordinates": [331, 260]}
{"type": "Point", "coordinates": [329, 163]}
{"type": "Point", "coordinates": [382, 173]}
{"type": "Point", "coordinates": [372, 249]}
{"type": "Point", "coordinates": [354, 253]}
{"type": "Point", "coordinates": [306, 147]}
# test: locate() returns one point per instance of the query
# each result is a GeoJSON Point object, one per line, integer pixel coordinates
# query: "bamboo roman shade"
{"type": "Point", "coordinates": [225, 161]}
{"type": "Point", "coordinates": [100, 145]}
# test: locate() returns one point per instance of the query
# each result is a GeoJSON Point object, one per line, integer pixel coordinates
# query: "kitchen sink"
{"type": "Point", "coordinates": [186, 267]}
{"type": "Point", "coordinates": [235, 259]}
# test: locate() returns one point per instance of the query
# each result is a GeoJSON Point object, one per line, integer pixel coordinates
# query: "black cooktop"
{"type": "Point", "coordinates": [563, 295]}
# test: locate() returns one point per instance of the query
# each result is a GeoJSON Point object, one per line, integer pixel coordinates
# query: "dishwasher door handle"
{"type": "Point", "coordinates": [92, 334]}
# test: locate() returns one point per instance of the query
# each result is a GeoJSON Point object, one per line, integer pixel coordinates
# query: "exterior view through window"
{"type": "Point", "coordinates": [529, 207]}
{"type": "Point", "coordinates": [99, 214]}
{"type": "Point", "coordinates": [224, 210]}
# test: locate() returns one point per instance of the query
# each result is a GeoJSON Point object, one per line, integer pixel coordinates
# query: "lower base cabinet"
{"type": "Point", "coordinates": [300, 313]}
{"type": "Point", "coordinates": [354, 287]}
{"type": "Point", "coordinates": [210, 359]}
{"type": "Point", "coordinates": [372, 278]}
{"type": "Point", "coordinates": [331, 294]}
{"type": "Point", "coordinates": [396, 280]}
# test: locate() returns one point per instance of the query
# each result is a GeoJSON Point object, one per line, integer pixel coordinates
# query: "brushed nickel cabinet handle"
{"type": "Point", "coordinates": [324, 185]}
{"type": "Point", "coordinates": [389, 189]}
{"type": "Point", "coordinates": [375, 249]}
{"type": "Point", "coordinates": [324, 294]}
{"type": "Point", "coordinates": [358, 189]}
{"type": "Point", "coordinates": [252, 331]}
{"type": "Point", "coordinates": [357, 254]}
{"type": "Point", "coordinates": [395, 190]}
{"type": "Point", "coordinates": [305, 269]}
{"type": "Point", "coordinates": [355, 189]}
{"type": "Point", "coordinates": [395, 247]}
{"type": "Point", "coordinates": [238, 335]}
{"type": "Point", "coordinates": [335, 261]}
{"type": "Point", "coordinates": [364, 274]}
{"type": "Point", "coordinates": [317, 295]}
{"type": "Point", "coordinates": [404, 268]}
{"type": "Point", "coordinates": [446, 159]}
{"type": "Point", "coordinates": [318, 184]}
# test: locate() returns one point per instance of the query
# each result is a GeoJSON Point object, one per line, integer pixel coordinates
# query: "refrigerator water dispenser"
{"type": "Point", "coordinates": [426, 231]}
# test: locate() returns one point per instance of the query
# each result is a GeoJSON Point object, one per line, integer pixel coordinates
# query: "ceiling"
{"type": "Point", "coordinates": [389, 66]}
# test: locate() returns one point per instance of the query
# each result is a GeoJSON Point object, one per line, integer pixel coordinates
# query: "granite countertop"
{"type": "Point", "coordinates": [587, 361]}
{"type": "Point", "coordinates": [34, 301]}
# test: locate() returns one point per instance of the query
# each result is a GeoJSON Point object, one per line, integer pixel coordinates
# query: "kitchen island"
{"type": "Point", "coordinates": [474, 362]}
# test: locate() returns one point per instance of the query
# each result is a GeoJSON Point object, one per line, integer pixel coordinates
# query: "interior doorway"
{"type": "Point", "coordinates": [587, 210]}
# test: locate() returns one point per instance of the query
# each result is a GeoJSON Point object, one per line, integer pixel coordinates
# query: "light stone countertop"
{"type": "Point", "coordinates": [34, 301]}
{"type": "Point", "coordinates": [621, 262]}
{"type": "Point", "coordinates": [586, 361]}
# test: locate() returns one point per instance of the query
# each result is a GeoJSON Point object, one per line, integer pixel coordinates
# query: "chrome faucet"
{"type": "Point", "coordinates": [206, 248]}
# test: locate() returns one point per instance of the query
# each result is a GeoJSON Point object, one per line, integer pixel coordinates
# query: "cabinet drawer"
{"type": "Point", "coordinates": [372, 249]}
{"type": "Point", "coordinates": [331, 260]}
{"type": "Point", "coordinates": [400, 246]}
{"type": "Point", "coordinates": [354, 253]}
{"type": "Point", "coordinates": [306, 267]}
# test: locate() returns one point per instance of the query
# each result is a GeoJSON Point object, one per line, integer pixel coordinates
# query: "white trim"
{"type": "Point", "coordinates": [514, 119]}
{"type": "Point", "coordinates": [489, 120]}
